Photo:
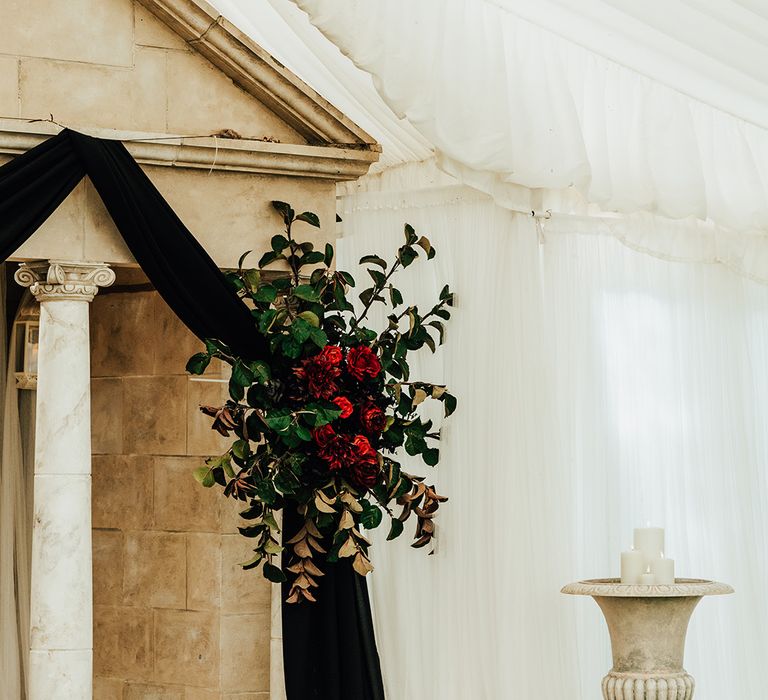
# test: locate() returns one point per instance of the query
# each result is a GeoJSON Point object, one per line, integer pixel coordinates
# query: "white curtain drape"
{"type": "Point", "coordinates": [599, 389]}
{"type": "Point", "coordinates": [656, 106]}
{"type": "Point", "coordinates": [16, 468]}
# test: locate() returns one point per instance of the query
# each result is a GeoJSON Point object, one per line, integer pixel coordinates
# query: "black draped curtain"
{"type": "Point", "coordinates": [328, 647]}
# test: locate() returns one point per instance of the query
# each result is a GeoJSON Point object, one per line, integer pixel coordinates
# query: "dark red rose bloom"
{"type": "Point", "coordinates": [363, 450]}
{"type": "Point", "coordinates": [345, 405]}
{"type": "Point", "coordinates": [362, 362]}
{"type": "Point", "coordinates": [338, 452]}
{"type": "Point", "coordinates": [323, 435]}
{"type": "Point", "coordinates": [365, 468]}
{"type": "Point", "coordinates": [330, 355]}
{"type": "Point", "coordinates": [372, 419]}
{"type": "Point", "coordinates": [319, 376]}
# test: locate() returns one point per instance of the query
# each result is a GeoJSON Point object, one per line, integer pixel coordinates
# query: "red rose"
{"type": "Point", "coordinates": [363, 450]}
{"type": "Point", "coordinates": [323, 435]}
{"type": "Point", "coordinates": [319, 376]}
{"type": "Point", "coordinates": [365, 468]}
{"type": "Point", "coordinates": [372, 419]}
{"type": "Point", "coordinates": [336, 450]}
{"type": "Point", "coordinates": [362, 361]}
{"type": "Point", "coordinates": [330, 355]}
{"type": "Point", "coordinates": [345, 405]}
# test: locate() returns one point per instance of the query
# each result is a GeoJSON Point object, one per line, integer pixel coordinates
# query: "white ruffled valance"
{"type": "Point", "coordinates": [506, 101]}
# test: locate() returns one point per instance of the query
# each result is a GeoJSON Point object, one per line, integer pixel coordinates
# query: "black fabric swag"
{"type": "Point", "coordinates": [329, 647]}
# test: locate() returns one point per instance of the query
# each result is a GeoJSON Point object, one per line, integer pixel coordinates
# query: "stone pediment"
{"type": "Point", "coordinates": [254, 70]}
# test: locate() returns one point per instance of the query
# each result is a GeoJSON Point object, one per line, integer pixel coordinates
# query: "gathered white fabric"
{"type": "Point", "coordinates": [16, 469]}
{"type": "Point", "coordinates": [664, 111]}
{"type": "Point", "coordinates": [598, 389]}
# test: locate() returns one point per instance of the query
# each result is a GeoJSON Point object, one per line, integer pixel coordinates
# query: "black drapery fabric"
{"type": "Point", "coordinates": [36, 182]}
{"type": "Point", "coordinates": [330, 650]}
{"type": "Point", "coordinates": [329, 673]}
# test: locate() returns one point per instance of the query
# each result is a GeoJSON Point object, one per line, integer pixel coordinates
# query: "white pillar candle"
{"type": "Point", "coordinates": [650, 541]}
{"type": "Point", "coordinates": [664, 570]}
{"type": "Point", "coordinates": [632, 566]}
{"type": "Point", "coordinates": [61, 605]}
{"type": "Point", "coordinates": [647, 579]}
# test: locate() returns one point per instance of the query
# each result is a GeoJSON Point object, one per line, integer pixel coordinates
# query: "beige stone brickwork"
{"type": "Point", "coordinates": [175, 616]}
{"type": "Point", "coordinates": [111, 67]}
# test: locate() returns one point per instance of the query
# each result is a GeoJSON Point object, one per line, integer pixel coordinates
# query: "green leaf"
{"type": "Point", "coordinates": [242, 374]}
{"type": "Point", "coordinates": [266, 293]}
{"type": "Point", "coordinates": [306, 292]}
{"type": "Point", "coordinates": [241, 449]}
{"type": "Point", "coordinates": [251, 278]}
{"type": "Point", "coordinates": [279, 243]}
{"type": "Point", "coordinates": [269, 519]}
{"type": "Point", "coordinates": [204, 476]}
{"type": "Point", "coordinates": [242, 259]}
{"type": "Point", "coordinates": [269, 257]}
{"type": "Point", "coordinates": [375, 259]}
{"type": "Point", "coordinates": [198, 363]}
{"type": "Point", "coordinates": [424, 243]}
{"type": "Point", "coordinates": [449, 403]}
{"type": "Point", "coordinates": [300, 330]}
{"type": "Point", "coordinates": [431, 456]}
{"type": "Point", "coordinates": [252, 563]}
{"type": "Point", "coordinates": [234, 281]}
{"type": "Point", "coordinates": [312, 258]}
{"type": "Point", "coordinates": [406, 255]}
{"type": "Point", "coordinates": [274, 574]}
{"type": "Point", "coordinates": [328, 258]}
{"type": "Point", "coordinates": [236, 391]}
{"type": "Point", "coordinates": [347, 278]}
{"type": "Point", "coordinates": [266, 320]}
{"type": "Point", "coordinates": [251, 530]}
{"type": "Point", "coordinates": [253, 512]}
{"type": "Point", "coordinates": [378, 277]}
{"type": "Point", "coordinates": [395, 529]}
{"type": "Point", "coordinates": [285, 209]}
{"type": "Point", "coordinates": [227, 467]}
{"type": "Point", "coordinates": [445, 293]}
{"type": "Point", "coordinates": [395, 297]}
{"type": "Point", "coordinates": [310, 218]}
{"type": "Point", "coordinates": [261, 371]}
{"type": "Point", "coordinates": [320, 413]}
{"type": "Point", "coordinates": [310, 318]}
{"type": "Point", "coordinates": [371, 516]}
{"type": "Point", "coordinates": [280, 419]}
{"type": "Point", "coordinates": [318, 337]}
{"type": "Point", "coordinates": [291, 347]}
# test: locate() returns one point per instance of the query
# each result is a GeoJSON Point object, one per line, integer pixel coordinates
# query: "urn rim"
{"type": "Point", "coordinates": [614, 588]}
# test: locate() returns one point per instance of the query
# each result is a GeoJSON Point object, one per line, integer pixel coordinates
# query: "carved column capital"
{"type": "Point", "coordinates": [56, 280]}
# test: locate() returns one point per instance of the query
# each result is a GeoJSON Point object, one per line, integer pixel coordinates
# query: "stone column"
{"type": "Point", "coordinates": [61, 616]}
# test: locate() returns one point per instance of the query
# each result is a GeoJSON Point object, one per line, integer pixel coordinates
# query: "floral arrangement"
{"type": "Point", "coordinates": [316, 425]}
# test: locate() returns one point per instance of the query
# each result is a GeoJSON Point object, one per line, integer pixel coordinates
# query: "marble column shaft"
{"type": "Point", "coordinates": [61, 615]}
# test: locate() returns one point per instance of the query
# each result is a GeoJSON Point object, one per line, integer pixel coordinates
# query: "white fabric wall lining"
{"type": "Point", "coordinates": [599, 388]}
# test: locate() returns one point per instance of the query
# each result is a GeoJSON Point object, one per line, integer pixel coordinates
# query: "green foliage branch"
{"type": "Point", "coordinates": [318, 425]}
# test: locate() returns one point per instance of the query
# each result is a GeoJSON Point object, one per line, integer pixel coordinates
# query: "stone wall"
{"type": "Point", "coordinates": [175, 617]}
{"type": "Point", "coordinates": [110, 64]}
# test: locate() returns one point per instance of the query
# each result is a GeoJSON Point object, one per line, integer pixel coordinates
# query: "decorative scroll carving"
{"type": "Point", "coordinates": [57, 280]}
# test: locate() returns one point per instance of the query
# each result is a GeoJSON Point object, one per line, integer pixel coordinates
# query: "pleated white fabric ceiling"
{"type": "Point", "coordinates": [660, 106]}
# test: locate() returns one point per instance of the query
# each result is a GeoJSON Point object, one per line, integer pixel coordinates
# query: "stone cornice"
{"type": "Point", "coordinates": [258, 73]}
{"type": "Point", "coordinates": [57, 280]}
{"type": "Point", "coordinates": [239, 155]}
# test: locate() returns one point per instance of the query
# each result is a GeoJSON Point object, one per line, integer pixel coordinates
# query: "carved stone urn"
{"type": "Point", "coordinates": [647, 624]}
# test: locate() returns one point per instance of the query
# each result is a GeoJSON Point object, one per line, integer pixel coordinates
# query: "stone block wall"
{"type": "Point", "coordinates": [175, 617]}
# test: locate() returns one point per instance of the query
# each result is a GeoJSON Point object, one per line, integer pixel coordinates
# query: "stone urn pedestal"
{"type": "Point", "coordinates": [648, 625]}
